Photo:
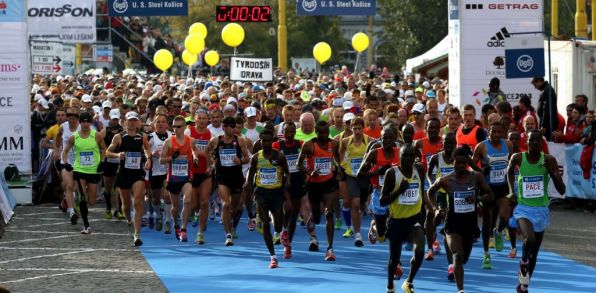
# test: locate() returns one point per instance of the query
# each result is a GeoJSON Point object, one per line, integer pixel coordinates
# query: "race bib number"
{"type": "Point", "coordinates": [201, 145]}
{"type": "Point", "coordinates": [227, 156]}
{"type": "Point", "coordinates": [323, 165]}
{"type": "Point", "coordinates": [86, 158]}
{"type": "Point", "coordinates": [532, 186]}
{"type": "Point", "coordinates": [132, 160]}
{"type": "Point", "coordinates": [410, 196]}
{"type": "Point", "coordinates": [461, 204]}
{"type": "Point", "coordinates": [180, 167]}
{"type": "Point", "coordinates": [497, 173]}
{"type": "Point", "coordinates": [355, 165]}
{"type": "Point", "coordinates": [268, 176]}
{"type": "Point", "coordinates": [292, 163]}
{"type": "Point", "coordinates": [446, 171]}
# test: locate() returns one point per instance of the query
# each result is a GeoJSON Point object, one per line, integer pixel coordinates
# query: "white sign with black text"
{"type": "Point", "coordinates": [52, 58]}
{"type": "Point", "coordinates": [15, 142]}
{"type": "Point", "coordinates": [251, 69]}
{"type": "Point", "coordinates": [71, 21]}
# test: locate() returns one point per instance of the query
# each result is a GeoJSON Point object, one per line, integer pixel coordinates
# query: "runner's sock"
{"type": "Point", "coordinates": [84, 212]}
{"type": "Point", "coordinates": [156, 210]}
{"type": "Point", "coordinates": [108, 197]}
{"type": "Point", "coordinates": [70, 211]}
{"type": "Point", "coordinates": [168, 211]}
{"type": "Point", "coordinates": [346, 212]}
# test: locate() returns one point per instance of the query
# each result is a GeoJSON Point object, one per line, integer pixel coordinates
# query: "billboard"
{"type": "Point", "coordinates": [70, 21]}
{"type": "Point", "coordinates": [479, 30]}
{"type": "Point", "coordinates": [338, 7]}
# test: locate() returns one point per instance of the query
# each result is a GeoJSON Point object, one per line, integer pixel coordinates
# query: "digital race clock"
{"type": "Point", "coordinates": [243, 13]}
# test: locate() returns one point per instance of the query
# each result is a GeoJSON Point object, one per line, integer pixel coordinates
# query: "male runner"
{"type": "Point", "coordinates": [67, 129]}
{"type": "Point", "coordinates": [159, 171]}
{"type": "Point", "coordinates": [110, 166]}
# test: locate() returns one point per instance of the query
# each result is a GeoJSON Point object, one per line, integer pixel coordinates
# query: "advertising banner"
{"type": "Point", "coordinates": [479, 30]}
{"type": "Point", "coordinates": [71, 21]}
{"type": "Point", "coordinates": [15, 142]}
{"type": "Point", "coordinates": [558, 150]}
{"type": "Point", "coordinates": [524, 57]}
{"type": "Point", "coordinates": [147, 7]}
{"type": "Point", "coordinates": [336, 7]}
{"type": "Point", "coordinates": [251, 69]}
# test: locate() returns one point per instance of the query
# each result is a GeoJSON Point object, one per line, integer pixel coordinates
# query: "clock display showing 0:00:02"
{"type": "Point", "coordinates": [243, 14]}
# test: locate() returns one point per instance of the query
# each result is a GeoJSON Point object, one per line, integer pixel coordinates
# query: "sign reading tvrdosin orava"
{"type": "Point", "coordinates": [251, 69]}
{"type": "Point", "coordinates": [147, 7]}
{"type": "Point", "coordinates": [335, 7]}
{"type": "Point", "coordinates": [70, 21]}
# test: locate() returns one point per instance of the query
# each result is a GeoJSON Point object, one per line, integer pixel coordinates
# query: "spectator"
{"type": "Point", "coordinates": [525, 106]}
{"type": "Point", "coordinates": [495, 94]}
{"type": "Point", "coordinates": [547, 107]}
{"type": "Point", "coordinates": [587, 133]}
{"type": "Point", "coordinates": [574, 127]}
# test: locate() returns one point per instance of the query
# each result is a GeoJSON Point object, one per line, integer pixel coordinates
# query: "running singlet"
{"type": "Point", "coordinates": [467, 139]}
{"type": "Point", "coordinates": [110, 133]}
{"type": "Point", "coordinates": [291, 152]}
{"type": "Point", "coordinates": [443, 169]}
{"type": "Point", "coordinates": [459, 208]}
{"type": "Point", "coordinates": [497, 159]}
{"type": "Point", "coordinates": [201, 140]}
{"type": "Point", "coordinates": [66, 134]}
{"type": "Point", "coordinates": [532, 183]}
{"type": "Point", "coordinates": [132, 146]}
{"type": "Point", "coordinates": [179, 170]}
{"type": "Point", "coordinates": [377, 180]}
{"type": "Point", "coordinates": [225, 154]}
{"type": "Point", "coordinates": [269, 173]}
{"type": "Point", "coordinates": [409, 202]}
{"type": "Point", "coordinates": [428, 150]}
{"type": "Point", "coordinates": [321, 160]}
{"type": "Point", "coordinates": [354, 156]}
{"type": "Point", "coordinates": [156, 143]}
{"type": "Point", "coordinates": [86, 153]}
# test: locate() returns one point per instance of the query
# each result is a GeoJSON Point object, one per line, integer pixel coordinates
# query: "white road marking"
{"type": "Point", "coordinates": [36, 239]}
{"type": "Point", "coordinates": [44, 256]}
{"type": "Point", "coordinates": [39, 277]}
{"type": "Point", "coordinates": [79, 270]}
{"type": "Point", "coordinates": [63, 232]}
{"type": "Point", "coordinates": [68, 249]}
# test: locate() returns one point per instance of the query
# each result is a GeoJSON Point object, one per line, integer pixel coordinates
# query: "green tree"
{"type": "Point", "coordinates": [410, 27]}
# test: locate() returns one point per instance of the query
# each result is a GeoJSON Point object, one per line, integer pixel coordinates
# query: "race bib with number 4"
{"type": "Point", "coordinates": [132, 160]}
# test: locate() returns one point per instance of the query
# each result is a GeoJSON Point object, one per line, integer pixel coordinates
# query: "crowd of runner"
{"type": "Point", "coordinates": [167, 152]}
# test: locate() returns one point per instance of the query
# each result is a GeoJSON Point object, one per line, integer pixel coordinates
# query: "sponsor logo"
{"type": "Point", "coordinates": [513, 6]}
{"type": "Point", "coordinates": [120, 6]}
{"type": "Point", "coordinates": [474, 6]}
{"type": "Point", "coordinates": [11, 144]}
{"type": "Point", "coordinates": [498, 40]}
{"type": "Point", "coordinates": [309, 6]}
{"type": "Point", "coordinates": [9, 67]}
{"type": "Point", "coordinates": [66, 10]}
{"type": "Point", "coordinates": [524, 63]}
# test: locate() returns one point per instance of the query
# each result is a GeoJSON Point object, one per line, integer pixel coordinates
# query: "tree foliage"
{"type": "Point", "coordinates": [410, 27]}
{"type": "Point", "coordinates": [303, 32]}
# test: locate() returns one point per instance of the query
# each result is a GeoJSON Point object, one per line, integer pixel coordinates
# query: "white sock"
{"type": "Point", "coordinates": [168, 212]}
{"type": "Point", "coordinates": [273, 257]}
{"type": "Point", "coordinates": [70, 211]}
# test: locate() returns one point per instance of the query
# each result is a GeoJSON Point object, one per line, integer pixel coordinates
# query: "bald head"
{"type": "Point", "coordinates": [493, 117]}
{"type": "Point", "coordinates": [307, 122]}
{"type": "Point", "coordinates": [529, 123]}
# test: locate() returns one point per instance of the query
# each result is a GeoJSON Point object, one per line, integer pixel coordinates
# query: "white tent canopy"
{"type": "Point", "coordinates": [438, 50]}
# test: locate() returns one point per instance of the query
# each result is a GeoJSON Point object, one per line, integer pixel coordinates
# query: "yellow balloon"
{"type": "Point", "coordinates": [198, 27]}
{"type": "Point", "coordinates": [189, 58]}
{"type": "Point", "coordinates": [163, 59]}
{"type": "Point", "coordinates": [232, 34]}
{"type": "Point", "coordinates": [194, 43]}
{"type": "Point", "coordinates": [360, 42]}
{"type": "Point", "coordinates": [322, 52]}
{"type": "Point", "coordinates": [211, 58]}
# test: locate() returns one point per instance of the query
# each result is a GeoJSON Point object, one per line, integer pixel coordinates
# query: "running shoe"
{"type": "Point", "coordinates": [407, 287]}
{"type": "Point", "coordinates": [252, 224]}
{"type": "Point", "coordinates": [177, 232]}
{"type": "Point", "coordinates": [398, 272]}
{"type": "Point", "coordinates": [158, 224]}
{"type": "Point", "coordinates": [436, 247]}
{"type": "Point", "coordinates": [512, 253]}
{"type": "Point", "coordinates": [451, 273]}
{"type": "Point", "coordinates": [195, 220]}
{"type": "Point", "coordinates": [200, 238]}
{"type": "Point", "coordinates": [329, 256]}
{"type": "Point", "coordinates": [491, 242]}
{"type": "Point", "coordinates": [287, 252]}
{"type": "Point", "coordinates": [137, 240]}
{"type": "Point", "coordinates": [392, 290]}
{"type": "Point", "coordinates": [498, 241]}
{"type": "Point", "coordinates": [338, 224]}
{"type": "Point", "coordinates": [144, 222]}
{"type": "Point", "coordinates": [430, 255]}
{"type": "Point", "coordinates": [349, 233]}
{"type": "Point", "coordinates": [73, 218]}
{"type": "Point", "coordinates": [183, 237]}
{"type": "Point", "coordinates": [107, 215]}
{"type": "Point", "coordinates": [259, 225]}
{"type": "Point", "coordinates": [273, 263]}
{"type": "Point", "coordinates": [168, 228]}
{"type": "Point", "coordinates": [285, 240]}
{"type": "Point", "coordinates": [276, 239]}
{"type": "Point", "coordinates": [409, 246]}
{"type": "Point", "coordinates": [229, 241]}
{"type": "Point", "coordinates": [358, 241]}
{"type": "Point", "coordinates": [521, 288]}
{"type": "Point", "coordinates": [314, 244]}
{"type": "Point", "coordinates": [486, 264]}
{"type": "Point", "coordinates": [120, 215]}
{"type": "Point", "coordinates": [523, 276]}
{"type": "Point", "coordinates": [372, 235]}
{"type": "Point", "coordinates": [151, 223]}
{"type": "Point", "coordinates": [86, 230]}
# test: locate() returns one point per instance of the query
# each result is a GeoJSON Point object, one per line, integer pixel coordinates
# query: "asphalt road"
{"type": "Point", "coordinates": [42, 252]}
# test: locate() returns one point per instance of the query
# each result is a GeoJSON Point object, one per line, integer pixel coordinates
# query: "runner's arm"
{"type": "Point", "coordinates": [420, 169]}
{"type": "Point", "coordinates": [244, 149]}
{"type": "Point", "coordinates": [110, 153]}
{"type": "Point", "coordinates": [252, 171]}
{"type": "Point", "coordinates": [369, 161]}
{"type": "Point", "coordinates": [553, 171]}
{"type": "Point", "coordinates": [284, 168]}
{"type": "Point", "coordinates": [515, 161]}
{"type": "Point", "coordinates": [387, 194]}
{"type": "Point", "coordinates": [165, 158]}
{"type": "Point", "coordinates": [306, 150]}
{"type": "Point", "coordinates": [67, 147]}
{"type": "Point", "coordinates": [432, 164]}
{"type": "Point", "coordinates": [102, 146]}
{"type": "Point", "coordinates": [147, 150]}
{"type": "Point", "coordinates": [432, 193]}
{"type": "Point", "coordinates": [488, 195]}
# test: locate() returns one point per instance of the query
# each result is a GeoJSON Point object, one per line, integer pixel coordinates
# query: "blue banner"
{"type": "Point", "coordinates": [147, 7]}
{"type": "Point", "coordinates": [523, 63]}
{"type": "Point", "coordinates": [576, 185]}
{"type": "Point", "coordinates": [12, 11]}
{"type": "Point", "coordinates": [335, 7]}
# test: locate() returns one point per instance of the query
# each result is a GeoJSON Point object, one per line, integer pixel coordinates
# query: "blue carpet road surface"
{"type": "Point", "coordinates": [244, 267]}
